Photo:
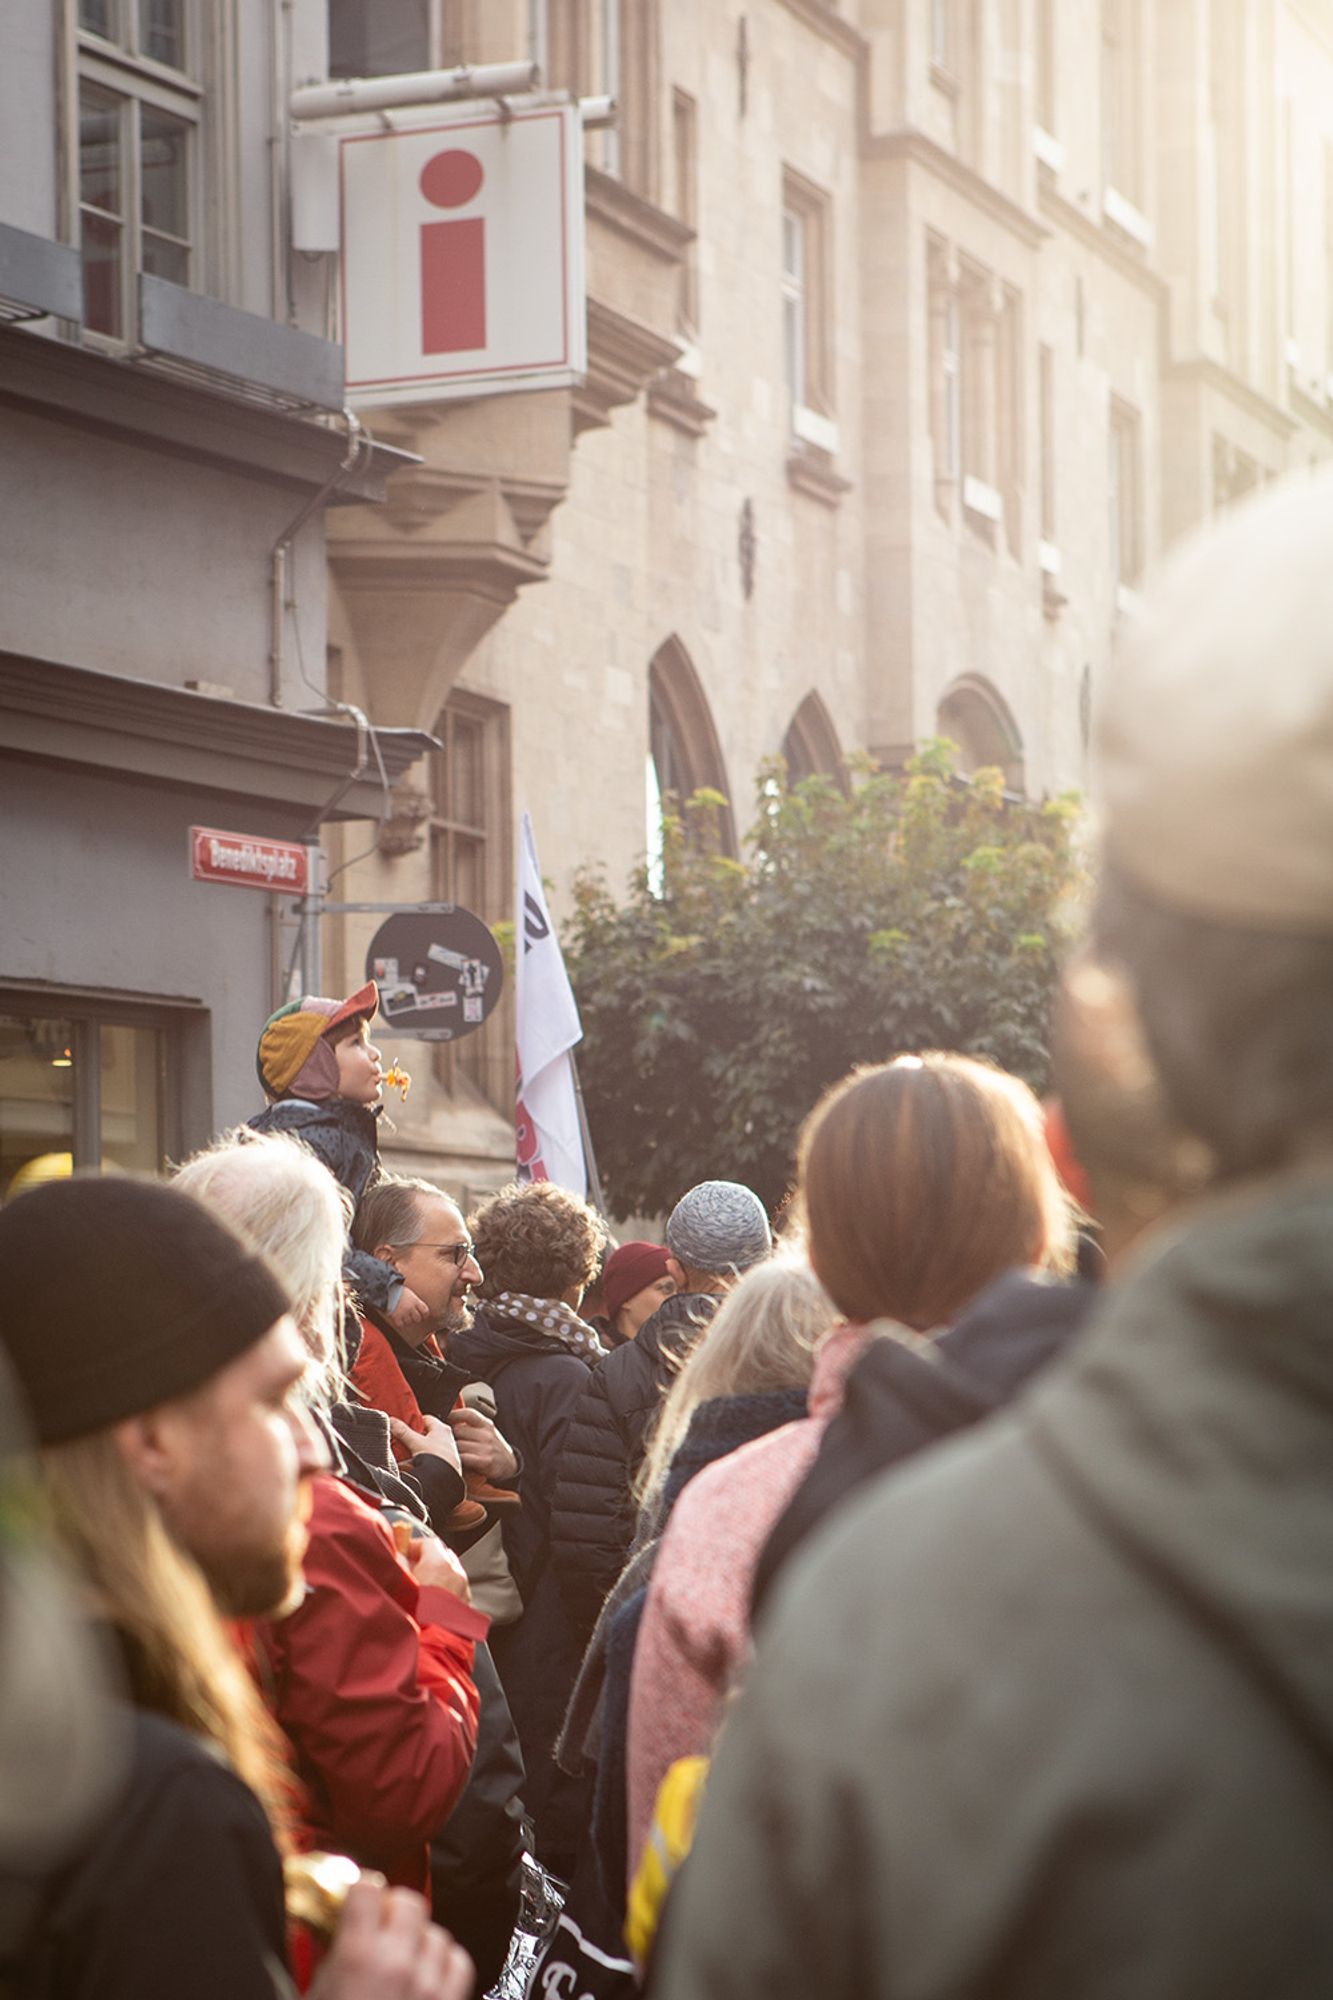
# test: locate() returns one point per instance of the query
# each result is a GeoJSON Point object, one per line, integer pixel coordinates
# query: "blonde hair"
{"type": "Point", "coordinates": [923, 1179]}
{"type": "Point", "coordinates": [182, 1664]}
{"type": "Point", "coordinates": [763, 1336]}
{"type": "Point", "coordinates": [276, 1191]}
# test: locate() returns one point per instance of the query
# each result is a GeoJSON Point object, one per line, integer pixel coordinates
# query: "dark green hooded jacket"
{"type": "Point", "coordinates": [1048, 1715]}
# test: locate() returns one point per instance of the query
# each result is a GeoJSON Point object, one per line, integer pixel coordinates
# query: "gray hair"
{"type": "Point", "coordinates": [274, 1189]}
{"type": "Point", "coordinates": [390, 1211]}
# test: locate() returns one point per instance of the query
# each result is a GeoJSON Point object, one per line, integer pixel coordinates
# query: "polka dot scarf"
{"type": "Point", "coordinates": [551, 1318]}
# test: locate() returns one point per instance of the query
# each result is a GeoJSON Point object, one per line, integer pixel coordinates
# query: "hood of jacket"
{"type": "Point", "coordinates": [1193, 1428]}
{"type": "Point", "coordinates": [720, 1426]}
{"type": "Point", "coordinates": [487, 1348]}
{"type": "Point", "coordinates": [674, 1325]}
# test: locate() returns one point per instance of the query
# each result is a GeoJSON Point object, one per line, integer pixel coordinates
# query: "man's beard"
{"type": "Point", "coordinates": [458, 1316]}
{"type": "Point", "coordinates": [260, 1583]}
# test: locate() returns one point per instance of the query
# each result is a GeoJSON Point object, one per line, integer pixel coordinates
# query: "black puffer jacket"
{"type": "Point", "coordinates": [898, 1400]}
{"type": "Point", "coordinates": [345, 1136]}
{"type": "Point", "coordinates": [592, 1514]}
{"type": "Point", "coordinates": [537, 1384]}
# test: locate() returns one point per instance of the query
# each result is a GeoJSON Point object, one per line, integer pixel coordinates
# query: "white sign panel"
{"type": "Point", "coordinates": [462, 256]}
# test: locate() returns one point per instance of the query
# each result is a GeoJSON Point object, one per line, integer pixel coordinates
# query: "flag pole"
{"type": "Point", "coordinates": [589, 1157]}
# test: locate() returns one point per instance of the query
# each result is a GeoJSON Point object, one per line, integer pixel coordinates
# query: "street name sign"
{"type": "Point", "coordinates": [247, 861]}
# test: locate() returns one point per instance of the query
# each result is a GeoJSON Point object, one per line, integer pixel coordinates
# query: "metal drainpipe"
{"type": "Point", "coordinates": [359, 444]}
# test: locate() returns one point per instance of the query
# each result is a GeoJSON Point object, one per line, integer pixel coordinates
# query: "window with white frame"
{"type": "Point", "coordinates": [793, 303]}
{"type": "Point", "coordinates": [137, 151]}
{"type": "Point", "coordinates": [942, 34]}
{"type": "Point", "coordinates": [1125, 520]}
{"type": "Point", "coordinates": [1046, 71]}
{"type": "Point", "coordinates": [684, 153]}
{"type": "Point", "coordinates": [1122, 100]}
{"type": "Point", "coordinates": [1046, 406]}
{"type": "Point", "coordinates": [946, 374]}
{"type": "Point", "coordinates": [806, 333]}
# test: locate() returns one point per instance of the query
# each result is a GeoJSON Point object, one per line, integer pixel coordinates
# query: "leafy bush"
{"type": "Point", "coordinates": [915, 911]}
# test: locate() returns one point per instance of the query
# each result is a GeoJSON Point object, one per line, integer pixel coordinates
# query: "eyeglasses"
{"type": "Point", "coordinates": [460, 1252]}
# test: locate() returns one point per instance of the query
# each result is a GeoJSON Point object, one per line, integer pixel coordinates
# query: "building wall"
{"type": "Point", "coordinates": [138, 512]}
{"type": "Point", "coordinates": [1095, 178]}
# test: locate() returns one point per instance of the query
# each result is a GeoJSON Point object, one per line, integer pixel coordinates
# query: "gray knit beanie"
{"type": "Point", "coordinates": [719, 1227]}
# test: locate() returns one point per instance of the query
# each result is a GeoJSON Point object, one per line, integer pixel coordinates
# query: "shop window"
{"type": "Point", "coordinates": [80, 1090]}
{"type": "Point", "coordinates": [471, 864]}
{"type": "Point", "coordinates": [137, 152]}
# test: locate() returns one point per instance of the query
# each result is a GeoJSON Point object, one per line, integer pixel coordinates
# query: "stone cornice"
{"type": "Point", "coordinates": [111, 394]}
{"type": "Point", "coordinates": [820, 16]}
{"type": "Point", "coordinates": [1202, 368]}
{"type": "Point", "coordinates": [629, 215]}
{"type": "Point", "coordinates": [911, 144]}
{"type": "Point", "coordinates": [674, 397]}
{"type": "Point", "coordinates": [74, 716]}
{"type": "Point", "coordinates": [1106, 243]}
{"type": "Point", "coordinates": [624, 356]}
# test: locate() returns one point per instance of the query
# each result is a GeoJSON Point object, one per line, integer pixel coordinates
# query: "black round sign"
{"type": "Point", "coordinates": [439, 972]}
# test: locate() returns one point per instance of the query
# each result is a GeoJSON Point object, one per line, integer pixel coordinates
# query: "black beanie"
{"type": "Point", "coordinates": [118, 1294]}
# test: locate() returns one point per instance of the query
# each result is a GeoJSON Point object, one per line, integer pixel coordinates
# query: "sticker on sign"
{"type": "Point", "coordinates": [248, 861]}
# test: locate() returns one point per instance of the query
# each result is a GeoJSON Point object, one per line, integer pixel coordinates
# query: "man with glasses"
{"type": "Point", "coordinates": [411, 1225]}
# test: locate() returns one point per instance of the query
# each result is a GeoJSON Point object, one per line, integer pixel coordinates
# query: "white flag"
{"type": "Point", "coordinates": [547, 1028]}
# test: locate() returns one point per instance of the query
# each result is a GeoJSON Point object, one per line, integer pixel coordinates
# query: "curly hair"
{"type": "Point", "coordinates": [537, 1238]}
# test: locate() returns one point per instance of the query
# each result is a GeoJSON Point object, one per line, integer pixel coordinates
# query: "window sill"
{"type": "Point", "coordinates": [1127, 217]}
{"type": "Point", "coordinates": [1048, 149]}
{"type": "Point", "coordinates": [812, 472]}
{"type": "Point", "coordinates": [1048, 558]}
{"type": "Point", "coordinates": [982, 500]}
{"type": "Point", "coordinates": [812, 427]}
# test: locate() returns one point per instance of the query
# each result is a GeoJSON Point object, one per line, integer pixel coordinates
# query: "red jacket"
{"type": "Point", "coordinates": [376, 1376]}
{"type": "Point", "coordinates": [370, 1679]}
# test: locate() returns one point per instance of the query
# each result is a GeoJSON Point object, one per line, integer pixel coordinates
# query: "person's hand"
{"type": "Point", "coordinates": [481, 1447]}
{"type": "Point", "coordinates": [387, 1948]}
{"type": "Point", "coordinates": [437, 1440]}
{"type": "Point", "coordinates": [411, 1315]}
{"type": "Point", "coordinates": [436, 1567]}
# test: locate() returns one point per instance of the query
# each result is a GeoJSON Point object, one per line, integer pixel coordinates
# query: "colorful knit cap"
{"type": "Point", "coordinates": [295, 1058]}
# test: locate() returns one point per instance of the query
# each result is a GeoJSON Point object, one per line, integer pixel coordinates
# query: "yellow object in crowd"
{"type": "Point", "coordinates": [669, 1840]}
{"type": "Point", "coordinates": [398, 1078]}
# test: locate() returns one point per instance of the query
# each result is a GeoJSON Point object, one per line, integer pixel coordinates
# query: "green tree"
{"type": "Point", "coordinates": [915, 911]}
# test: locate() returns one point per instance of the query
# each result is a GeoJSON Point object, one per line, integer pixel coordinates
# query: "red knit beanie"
{"type": "Point", "coordinates": [627, 1270]}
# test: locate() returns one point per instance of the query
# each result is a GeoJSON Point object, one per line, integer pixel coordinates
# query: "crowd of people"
{"type": "Point", "coordinates": [931, 1598]}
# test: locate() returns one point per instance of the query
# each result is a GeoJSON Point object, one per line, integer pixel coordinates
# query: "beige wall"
{"type": "Point", "coordinates": [591, 530]}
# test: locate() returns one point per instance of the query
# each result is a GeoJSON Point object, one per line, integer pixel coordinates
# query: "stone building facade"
{"type": "Point", "coordinates": [917, 329]}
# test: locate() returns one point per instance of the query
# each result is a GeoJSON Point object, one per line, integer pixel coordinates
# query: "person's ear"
{"type": "Point", "coordinates": [147, 1443]}
{"type": "Point", "coordinates": [385, 1253]}
{"type": "Point", "coordinates": [677, 1271]}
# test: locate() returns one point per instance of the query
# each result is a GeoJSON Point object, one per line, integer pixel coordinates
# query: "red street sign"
{"type": "Point", "coordinates": [248, 862]}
